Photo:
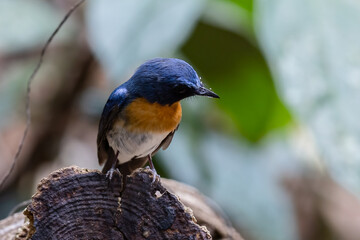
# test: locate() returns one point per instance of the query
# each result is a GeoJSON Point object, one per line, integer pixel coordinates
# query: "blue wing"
{"type": "Point", "coordinates": [118, 99]}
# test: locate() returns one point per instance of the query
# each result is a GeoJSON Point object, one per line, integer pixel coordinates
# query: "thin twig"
{"type": "Point", "coordinates": [28, 90]}
{"type": "Point", "coordinates": [19, 206]}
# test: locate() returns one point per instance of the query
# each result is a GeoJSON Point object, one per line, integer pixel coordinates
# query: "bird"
{"type": "Point", "coordinates": [142, 114]}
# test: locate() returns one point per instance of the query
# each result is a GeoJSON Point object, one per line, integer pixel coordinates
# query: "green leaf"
{"type": "Point", "coordinates": [237, 71]}
{"type": "Point", "coordinates": [245, 4]}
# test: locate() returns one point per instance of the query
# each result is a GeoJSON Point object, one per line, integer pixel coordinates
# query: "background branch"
{"type": "Point", "coordinates": [28, 90]}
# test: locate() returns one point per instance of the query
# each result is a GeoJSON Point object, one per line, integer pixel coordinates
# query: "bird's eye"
{"type": "Point", "coordinates": [180, 89]}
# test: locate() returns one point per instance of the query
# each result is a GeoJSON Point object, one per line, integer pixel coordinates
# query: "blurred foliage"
{"type": "Point", "coordinates": [244, 4]}
{"type": "Point", "coordinates": [22, 35]}
{"type": "Point", "coordinates": [38, 19]}
{"type": "Point", "coordinates": [315, 57]}
{"type": "Point", "coordinates": [236, 149]}
{"type": "Point", "coordinates": [123, 34]}
{"type": "Point", "coordinates": [236, 69]}
{"type": "Point", "coordinates": [11, 89]}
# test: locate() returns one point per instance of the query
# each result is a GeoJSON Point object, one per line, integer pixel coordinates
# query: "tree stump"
{"type": "Point", "coordinates": [75, 203]}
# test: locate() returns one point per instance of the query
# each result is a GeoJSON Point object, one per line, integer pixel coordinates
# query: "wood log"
{"type": "Point", "coordinates": [75, 203]}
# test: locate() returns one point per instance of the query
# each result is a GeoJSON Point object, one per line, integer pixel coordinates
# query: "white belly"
{"type": "Point", "coordinates": [130, 145]}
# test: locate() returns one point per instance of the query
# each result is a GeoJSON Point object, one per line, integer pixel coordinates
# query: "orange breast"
{"type": "Point", "coordinates": [152, 117]}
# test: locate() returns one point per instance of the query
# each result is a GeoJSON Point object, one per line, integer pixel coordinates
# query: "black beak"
{"type": "Point", "coordinates": [202, 91]}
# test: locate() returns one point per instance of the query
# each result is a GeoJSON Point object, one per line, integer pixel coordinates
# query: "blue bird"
{"type": "Point", "coordinates": [142, 115]}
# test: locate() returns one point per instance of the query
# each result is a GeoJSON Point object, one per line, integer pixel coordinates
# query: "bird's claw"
{"type": "Point", "coordinates": [110, 173]}
{"type": "Point", "coordinates": [155, 175]}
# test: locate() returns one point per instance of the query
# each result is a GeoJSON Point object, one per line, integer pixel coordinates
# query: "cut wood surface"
{"type": "Point", "coordinates": [75, 203]}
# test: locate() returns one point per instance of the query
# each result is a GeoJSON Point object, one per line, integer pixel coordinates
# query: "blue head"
{"type": "Point", "coordinates": [167, 80]}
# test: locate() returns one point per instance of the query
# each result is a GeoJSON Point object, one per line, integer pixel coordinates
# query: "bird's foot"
{"type": "Point", "coordinates": [114, 162]}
